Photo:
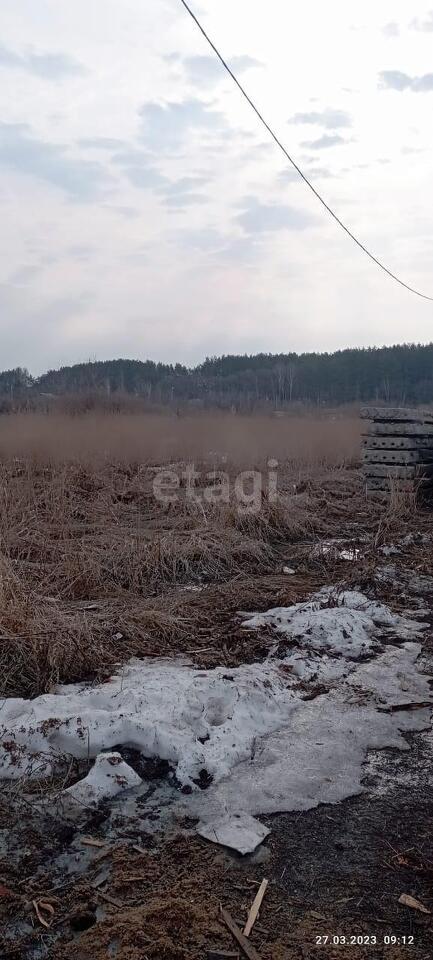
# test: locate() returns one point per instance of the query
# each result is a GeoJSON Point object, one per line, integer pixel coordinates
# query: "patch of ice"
{"type": "Point", "coordinates": [285, 734]}
{"type": "Point", "coordinates": [240, 832]}
{"type": "Point", "coordinates": [420, 539]}
{"type": "Point", "coordinates": [335, 549]}
{"type": "Point", "coordinates": [318, 757]}
{"type": "Point", "coordinates": [109, 776]}
{"type": "Point", "coordinates": [407, 579]}
{"type": "Point", "coordinates": [349, 627]}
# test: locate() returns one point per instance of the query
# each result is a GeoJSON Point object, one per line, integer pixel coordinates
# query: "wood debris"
{"type": "Point", "coordinates": [414, 904]}
{"type": "Point", "coordinates": [395, 707]}
{"type": "Point", "coordinates": [257, 902]}
{"type": "Point", "coordinates": [246, 947]}
{"type": "Point", "coordinates": [111, 900]}
{"type": "Point", "coordinates": [92, 842]}
{"type": "Point", "coordinates": [139, 849]}
{"type": "Point", "coordinates": [43, 906]}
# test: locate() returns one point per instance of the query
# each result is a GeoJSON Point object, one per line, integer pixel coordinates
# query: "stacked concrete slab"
{"type": "Point", "coordinates": [397, 448]}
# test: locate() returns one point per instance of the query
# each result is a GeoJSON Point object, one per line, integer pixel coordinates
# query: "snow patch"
{"type": "Point", "coordinates": [108, 777]}
{"type": "Point", "coordinates": [334, 549]}
{"type": "Point", "coordinates": [285, 734]}
{"type": "Point", "coordinates": [348, 623]}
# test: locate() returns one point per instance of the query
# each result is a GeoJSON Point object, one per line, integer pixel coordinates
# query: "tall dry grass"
{"type": "Point", "coordinates": [93, 569]}
{"type": "Point", "coordinates": [157, 438]}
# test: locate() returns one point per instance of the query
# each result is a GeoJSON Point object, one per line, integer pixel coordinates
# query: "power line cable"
{"type": "Point", "coordinates": [292, 161]}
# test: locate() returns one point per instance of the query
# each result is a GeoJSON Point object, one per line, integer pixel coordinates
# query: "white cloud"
{"type": "Point", "coordinates": [205, 69]}
{"type": "Point", "coordinates": [324, 142]}
{"type": "Point", "coordinates": [23, 153]}
{"type": "Point", "coordinates": [396, 80]}
{"type": "Point", "coordinates": [424, 25]}
{"type": "Point", "coordinates": [331, 119]}
{"type": "Point", "coordinates": [49, 66]}
{"type": "Point", "coordinates": [257, 218]}
{"type": "Point", "coordinates": [166, 126]}
{"type": "Point", "coordinates": [391, 29]}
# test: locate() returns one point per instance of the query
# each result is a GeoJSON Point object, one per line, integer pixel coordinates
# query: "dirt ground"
{"type": "Point", "coordinates": [136, 891]}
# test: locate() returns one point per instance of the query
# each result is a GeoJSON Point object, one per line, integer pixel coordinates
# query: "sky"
{"type": "Point", "coordinates": [146, 213]}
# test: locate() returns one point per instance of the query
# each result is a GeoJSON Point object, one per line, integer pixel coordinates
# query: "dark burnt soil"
{"type": "Point", "coordinates": [334, 871]}
{"type": "Point", "coordinates": [353, 860]}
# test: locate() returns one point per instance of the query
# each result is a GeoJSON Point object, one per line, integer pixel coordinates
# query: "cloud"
{"type": "Point", "coordinates": [130, 213]}
{"type": "Point", "coordinates": [266, 218]}
{"type": "Point", "coordinates": [101, 143]}
{"type": "Point", "coordinates": [140, 169]}
{"type": "Point", "coordinates": [49, 66]}
{"type": "Point", "coordinates": [207, 240]}
{"type": "Point", "coordinates": [244, 62]}
{"type": "Point", "coordinates": [396, 80]}
{"type": "Point", "coordinates": [391, 29]}
{"type": "Point", "coordinates": [314, 173]}
{"type": "Point", "coordinates": [327, 140]}
{"type": "Point", "coordinates": [143, 174]}
{"type": "Point", "coordinates": [320, 173]}
{"type": "Point", "coordinates": [410, 150]}
{"type": "Point", "coordinates": [81, 180]}
{"type": "Point", "coordinates": [183, 192]}
{"type": "Point", "coordinates": [202, 69]}
{"type": "Point", "coordinates": [27, 315]}
{"type": "Point", "coordinates": [288, 175]}
{"type": "Point", "coordinates": [184, 199]}
{"type": "Point", "coordinates": [184, 184]}
{"type": "Point", "coordinates": [221, 247]}
{"type": "Point", "coordinates": [329, 118]}
{"type": "Point", "coordinates": [165, 127]}
{"type": "Point", "coordinates": [426, 26]}
{"type": "Point", "coordinates": [24, 275]}
{"type": "Point", "coordinates": [80, 251]}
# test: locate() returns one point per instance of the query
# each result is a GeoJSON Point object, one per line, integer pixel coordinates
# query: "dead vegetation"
{"type": "Point", "coordinates": [160, 438]}
{"type": "Point", "coordinates": [93, 569]}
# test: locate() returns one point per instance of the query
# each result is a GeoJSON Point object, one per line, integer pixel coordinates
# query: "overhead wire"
{"type": "Point", "coordinates": [293, 162]}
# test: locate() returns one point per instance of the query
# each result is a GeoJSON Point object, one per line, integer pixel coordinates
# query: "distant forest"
{"type": "Point", "coordinates": [397, 375]}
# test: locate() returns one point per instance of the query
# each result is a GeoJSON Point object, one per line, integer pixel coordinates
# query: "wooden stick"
{"type": "Point", "coordinates": [222, 955]}
{"type": "Point", "coordinates": [106, 896]}
{"type": "Point", "coordinates": [247, 948]}
{"type": "Point", "coordinates": [257, 902]}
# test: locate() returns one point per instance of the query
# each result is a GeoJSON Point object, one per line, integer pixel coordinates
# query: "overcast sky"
{"type": "Point", "coordinates": [145, 213]}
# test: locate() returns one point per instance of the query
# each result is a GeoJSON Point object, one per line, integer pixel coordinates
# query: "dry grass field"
{"type": "Point", "coordinates": [160, 438]}
{"type": "Point", "coordinates": [94, 567]}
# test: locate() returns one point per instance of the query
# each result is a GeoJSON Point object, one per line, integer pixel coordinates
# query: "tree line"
{"type": "Point", "coordinates": [400, 374]}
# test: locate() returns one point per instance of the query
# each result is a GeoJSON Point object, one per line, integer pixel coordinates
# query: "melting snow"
{"type": "Point", "coordinates": [108, 777]}
{"type": "Point", "coordinates": [335, 549]}
{"type": "Point", "coordinates": [285, 734]}
{"type": "Point", "coordinates": [346, 624]}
